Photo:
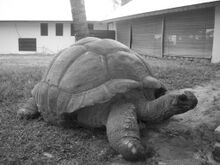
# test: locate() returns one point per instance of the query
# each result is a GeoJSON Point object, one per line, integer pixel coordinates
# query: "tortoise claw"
{"type": "Point", "coordinates": [132, 149]}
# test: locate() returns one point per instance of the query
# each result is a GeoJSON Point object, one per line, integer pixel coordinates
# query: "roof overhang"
{"type": "Point", "coordinates": [165, 11]}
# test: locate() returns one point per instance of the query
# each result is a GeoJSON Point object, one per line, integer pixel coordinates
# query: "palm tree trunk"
{"type": "Point", "coordinates": [79, 19]}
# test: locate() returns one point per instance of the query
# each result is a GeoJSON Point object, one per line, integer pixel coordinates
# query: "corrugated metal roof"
{"type": "Point", "coordinates": [139, 7]}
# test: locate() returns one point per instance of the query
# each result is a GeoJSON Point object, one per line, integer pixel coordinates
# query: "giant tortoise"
{"type": "Point", "coordinates": [101, 82]}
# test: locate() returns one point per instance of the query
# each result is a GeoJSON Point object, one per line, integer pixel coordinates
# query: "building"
{"type": "Point", "coordinates": [39, 36]}
{"type": "Point", "coordinates": [170, 28]}
{"type": "Point", "coordinates": [39, 26]}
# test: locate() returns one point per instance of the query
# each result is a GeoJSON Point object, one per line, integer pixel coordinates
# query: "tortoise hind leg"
{"type": "Point", "coordinates": [123, 132]}
{"type": "Point", "coordinates": [29, 110]}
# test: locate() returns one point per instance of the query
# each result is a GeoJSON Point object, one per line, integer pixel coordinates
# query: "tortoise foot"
{"type": "Point", "coordinates": [29, 111]}
{"type": "Point", "coordinates": [27, 114]}
{"type": "Point", "coordinates": [132, 149]}
{"type": "Point", "coordinates": [123, 132]}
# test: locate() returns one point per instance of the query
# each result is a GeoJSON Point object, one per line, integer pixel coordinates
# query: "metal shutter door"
{"type": "Point", "coordinates": [146, 35]}
{"type": "Point", "coordinates": [189, 34]}
{"type": "Point", "coordinates": [123, 32]}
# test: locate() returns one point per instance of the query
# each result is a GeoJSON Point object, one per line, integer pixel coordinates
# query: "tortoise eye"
{"type": "Point", "coordinates": [159, 92]}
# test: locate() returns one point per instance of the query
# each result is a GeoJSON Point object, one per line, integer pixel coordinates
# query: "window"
{"type": "Point", "coordinates": [27, 44]}
{"type": "Point", "coordinates": [59, 29]}
{"type": "Point", "coordinates": [90, 26]}
{"type": "Point", "coordinates": [44, 29]}
{"type": "Point", "coordinates": [72, 30]}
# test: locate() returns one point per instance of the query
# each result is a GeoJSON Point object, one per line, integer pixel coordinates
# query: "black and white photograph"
{"type": "Point", "coordinates": [109, 82]}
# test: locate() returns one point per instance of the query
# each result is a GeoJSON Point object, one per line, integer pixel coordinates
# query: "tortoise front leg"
{"type": "Point", "coordinates": [123, 132]}
{"type": "Point", "coordinates": [29, 110]}
{"type": "Point", "coordinates": [166, 106]}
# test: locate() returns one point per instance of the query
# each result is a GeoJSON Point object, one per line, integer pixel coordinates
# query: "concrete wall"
{"type": "Point", "coordinates": [216, 42]}
{"type": "Point", "coordinates": [10, 32]}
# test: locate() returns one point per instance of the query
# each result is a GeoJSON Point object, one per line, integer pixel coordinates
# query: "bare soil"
{"type": "Point", "coordinates": [185, 139]}
{"type": "Point", "coordinates": [188, 138]}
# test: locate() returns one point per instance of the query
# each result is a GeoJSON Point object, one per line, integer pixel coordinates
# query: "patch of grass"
{"type": "Point", "coordinates": [16, 83]}
{"type": "Point", "coordinates": [30, 142]}
{"type": "Point", "coordinates": [179, 75]}
{"type": "Point", "coordinates": [31, 54]}
{"type": "Point", "coordinates": [185, 76]}
{"type": "Point", "coordinates": [36, 142]}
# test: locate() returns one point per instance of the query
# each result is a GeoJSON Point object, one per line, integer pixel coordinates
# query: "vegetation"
{"type": "Point", "coordinates": [36, 142]}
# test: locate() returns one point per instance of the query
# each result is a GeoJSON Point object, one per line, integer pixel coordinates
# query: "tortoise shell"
{"type": "Point", "coordinates": [89, 72]}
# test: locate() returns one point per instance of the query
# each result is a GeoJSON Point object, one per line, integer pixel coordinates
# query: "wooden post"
{"type": "Point", "coordinates": [162, 36]}
{"type": "Point", "coordinates": [130, 43]}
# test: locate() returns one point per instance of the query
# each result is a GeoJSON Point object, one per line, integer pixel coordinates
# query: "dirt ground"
{"type": "Point", "coordinates": [185, 139]}
{"type": "Point", "coordinates": [188, 138]}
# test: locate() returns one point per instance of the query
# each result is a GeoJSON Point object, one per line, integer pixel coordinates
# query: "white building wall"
{"type": "Point", "coordinates": [112, 26]}
{"type": "Point", "coordinates": [10, 32]}
{"type": "Point", "coordinates": [216, 40]}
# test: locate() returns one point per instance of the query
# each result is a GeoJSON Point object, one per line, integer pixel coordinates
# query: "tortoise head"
{"type": "Point", "coordinates": [183, 101]}
{"type": "Point", "coordinates": [161, 105]}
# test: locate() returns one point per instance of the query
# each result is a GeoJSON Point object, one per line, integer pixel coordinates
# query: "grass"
{"type": "Point", "coordinates": [185, 76]}
{"type": "Point", "coordinates": [179, 75]}
{"type": "Point", "coordinates": [16, 84]}
{"type": "Point", "coordinates": [36, 142]}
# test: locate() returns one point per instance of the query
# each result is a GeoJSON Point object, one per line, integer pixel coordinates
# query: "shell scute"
{"type": "Point", "coordinates": [62, 63]}
{"type": "Point", "coordinates": [101, 94]}
{"type": "Point", "coordinates": [126, 65]}
{"type": "Point", "coordinates": [86, 73]}
{"type": "Point", "coordinates": [106, 46]}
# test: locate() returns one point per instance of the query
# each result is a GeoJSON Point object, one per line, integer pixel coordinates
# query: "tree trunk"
{"type": "Point", "coordinates": [124, 2]}
{"type": "Point", "coordinates": [79, 19]}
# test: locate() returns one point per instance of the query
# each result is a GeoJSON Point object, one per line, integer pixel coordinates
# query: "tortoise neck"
{"type": "Point", "coordinates": [156, 110]}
